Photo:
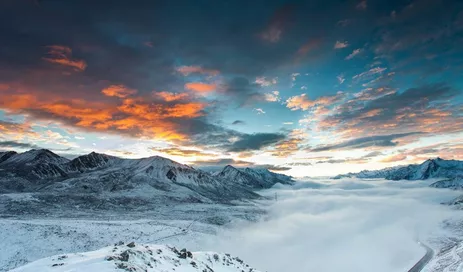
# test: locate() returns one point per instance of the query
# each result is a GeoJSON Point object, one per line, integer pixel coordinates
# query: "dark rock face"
{"type": "Point", "coordinates": [253, 178]}
{"type": "Point", "coordinates": [6, 155]}
{"type": "Point", "coordinates": [171, 175]}
{"type": "Point", "coordinates": [88, 162]}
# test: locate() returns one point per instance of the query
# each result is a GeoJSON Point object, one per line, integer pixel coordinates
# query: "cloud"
{"type": "Point", "coordinates": [62, 55]}
{"type": "Point", "coordinates": [181, 152]}
{"type": "Point", "coordinates": [340, 45]}
{"type": "Point", "coordinates": [369, 73]}
{"type": "Point", "coordinates": [275, 29]}
{"type": "Point", "coordinates": [238, 122]}
{"type": "Point", "coordinates": [259, 111]}
{"type": "Point", "coordinates": [288, 147]}
{"type": "Point", "coordinates": [362, 5]}
{"type": "Point", "coordinates": [302, 102]}
{"type": "Point", "coordinates": [264, 82]}
{"type": "Point", "coordinates": [255, 141]}
{"type": "Point", "coordinates": [395, 158]}
{"type": "Point", "coordinates": [243, 92]}
{"type": "Point", "coordinates": [14, 144]}
{"type": "Point", "coordinates": [200, 87]}
{"type": "Point", "coordinates": [359, 143]}
{"type": "Point", "coordinates": [309, 46]}
{"type": "Point", "coordinates": [187, 70]}
{"type": "Point", "coordinates": [118, 91]}
{"type": "Point", "coordinates": [347, 217]}
{"type": "Point", "coordinates": [273, 96]}
{"type": "Point", "coordinates": [341, 78]}
{"type": "Point", "coordinates": [421, 109]}
{"type": "Point", "coordinates": [169, 97]}
{"type": "Point", "coordinates": [218, 164]}
{"type": "Point", "coordinates": [135, 116]}
{"type": "Point", "coordinates": [353, 54]}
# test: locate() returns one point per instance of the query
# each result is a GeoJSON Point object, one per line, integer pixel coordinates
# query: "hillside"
{"type": "Point", "coordinates": [139, 258]}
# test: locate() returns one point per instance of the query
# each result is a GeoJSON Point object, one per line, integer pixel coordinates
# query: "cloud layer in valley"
{"type": "Point", "coordinates": [348, 226]}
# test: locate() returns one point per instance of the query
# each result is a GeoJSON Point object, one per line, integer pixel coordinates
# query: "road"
{"type": "Point", "coordinates": [423, 261]}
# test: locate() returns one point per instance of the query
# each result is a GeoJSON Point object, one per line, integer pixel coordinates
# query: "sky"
{"type": "Point", "coordinates": [306, 88]}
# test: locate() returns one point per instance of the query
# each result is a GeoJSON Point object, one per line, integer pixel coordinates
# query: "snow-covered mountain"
{"type": "Point", "coordinates": [450, 171]}
{"type": "Point", "coordinates": [432, 168]}
{"type": "Point", "coordinates": [34, 164]}
{"type": "Point", "coordinates": [139, 258]}
{"type": "Point", "coordinates": [254, 178]}
{"type": "Point", "coordinates": [44, 171]}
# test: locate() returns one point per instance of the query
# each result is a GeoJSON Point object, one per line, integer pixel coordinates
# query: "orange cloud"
{"type": "Point", "coordinates": [302, 102]}
{"type": "Point", "coordinates": [200, 87]}
{"type": "Point", "coordinates": [118, 91]}
{"type": "Point", "coordinates": [180, 152]}
{"type": "Point", "coordinates": [4, 87]}
{"type": "Point", "coordinates": [186, 70]}
{"type": "Point", "coordinates": [169, 97]}
{"type": "Point", "coordinates": [62, 55]}
{"type": "Point", "coordinates": [138, 116]}
{"type": "Point", "coordinates": [395, 158]}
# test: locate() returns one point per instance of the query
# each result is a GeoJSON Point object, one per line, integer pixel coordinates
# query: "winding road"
{"type": "Point", "coordinates": [423, 261]}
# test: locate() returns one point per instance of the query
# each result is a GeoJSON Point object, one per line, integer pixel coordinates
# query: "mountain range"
{"type": "Point", "coordinates": [40, 170]}
{"type": "Point", "coordinates": [449, 171]}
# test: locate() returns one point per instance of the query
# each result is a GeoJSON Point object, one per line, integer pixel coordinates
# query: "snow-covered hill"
{"type": "Point", "coordinates": [257, 178]}
{"type": "Point", "coordinates": [432, 168]}
{"type": "Point", "coordinates": [139, 258]}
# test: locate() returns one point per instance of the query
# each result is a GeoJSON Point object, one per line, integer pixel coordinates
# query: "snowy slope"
{"type": "Point", "coordinates": [134, 257]}
{"type": "Point", "coordinates": [432, 168]}
{"type": "Point", "coordinates": [455, 183]}
{"type": "Point", "coordinates": [252, 178]}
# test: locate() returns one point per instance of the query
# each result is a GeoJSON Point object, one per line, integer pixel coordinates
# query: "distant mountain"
{"type": "Point", "coordinates": [257, 178]}
{"type": "Point", "coordinates": [132, 257]}
{"type": "Point", "coordinates": [44, 171]}
{"type": "Point", "coordinates": [450, 170]}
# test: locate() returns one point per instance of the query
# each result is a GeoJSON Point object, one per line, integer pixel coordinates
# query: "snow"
{"type": "Point", "coordinates": [36, 156]}
{"type": "Point", "coordinates": [134, 257]}
{"type": "Point", "coordinates": [433, 168]}
{"type": "Point", "coordinates": [253, 178]}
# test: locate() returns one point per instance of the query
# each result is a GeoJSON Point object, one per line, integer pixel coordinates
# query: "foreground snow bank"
{"type": "Point", "coordinates": [134, 257]}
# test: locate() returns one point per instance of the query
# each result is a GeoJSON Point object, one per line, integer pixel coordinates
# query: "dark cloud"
{"type": "Point", "coordinates": [218, 164]}
{"type": "Point", "coordinates": [238, 122]}
{"type": "Point", "coordinates": [14, 144]}
{"type": "Point", "coordinates": [373, 141]}
{"type": "Point", "coordinates": [425, 109]}
{"type": "Point", "coordinates": [242, 91]}
{"type": "Point", "coordinates": [255, 141]}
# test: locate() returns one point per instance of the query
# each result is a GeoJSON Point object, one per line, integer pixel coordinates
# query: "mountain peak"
{"type": "Point", "coordinates": [6, 155]}
{"type": "Point", "coordinates": [35, 156]}
{"type": "Point", "coordinates": [229, 168]}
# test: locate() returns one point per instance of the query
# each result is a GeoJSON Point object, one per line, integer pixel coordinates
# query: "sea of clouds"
{"type": "Point", "coordinates": [344, 225]}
